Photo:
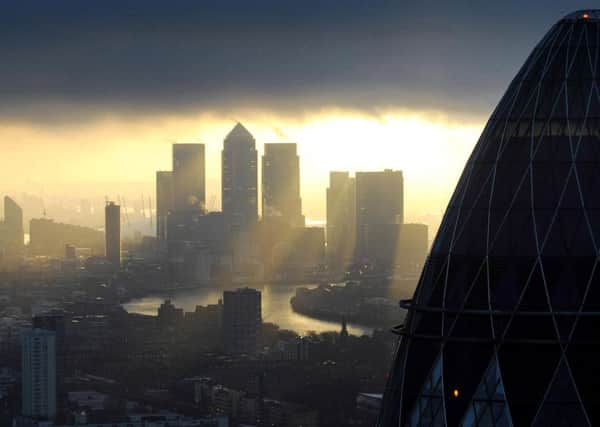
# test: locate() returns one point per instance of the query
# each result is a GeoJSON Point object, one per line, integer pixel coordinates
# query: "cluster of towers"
{"type": "Point", "coordinates": [195, 240]}
{"type": "Point", "coordinates": [365, 223]}
{"type": "Point", "coordinates": [365, 215]}
{"type": "Point", "coordinates": [184, 188]}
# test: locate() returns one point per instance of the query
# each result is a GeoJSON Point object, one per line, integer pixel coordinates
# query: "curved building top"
{"type": "Point", "coordinates": [506, 314]}
{"type": "Point", "coordinates": [586, 14]}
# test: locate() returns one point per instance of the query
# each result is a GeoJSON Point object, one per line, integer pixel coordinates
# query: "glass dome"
{"type": "Point", "coordinates": [504, 326]}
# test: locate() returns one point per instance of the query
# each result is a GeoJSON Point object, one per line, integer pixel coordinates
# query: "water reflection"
{"type": "Point", "coordinates": [275, 307]}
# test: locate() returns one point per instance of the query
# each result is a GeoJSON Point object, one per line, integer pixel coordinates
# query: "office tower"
{"type": "Point", "coordinates": [197, 244]}
{"type": "Point", "coordinates": [38, 370]}
{"type": "Point", "coordinates": [503, 326]}
{"type": "Point", "coordinates": [412, 248]}
{"type": "Point", "coordinates": [281, 185]}
{"type": "Point", "coordinates": [13, 226]}
{"type": "Point", "coordinates": [309, 247]}
{"type": "Point", "coordinates": [242, 320]}
{"type": "Point", "coordinates": [189, 177]}
{"type": "Point", "coordinates": [54, 321]}
{"type": "Point", "coordinates": [239, 177]}
{"type": "Point", "coordinates": [379, 214]}
{"type": "Point", "coordinates": [112, 233]}
{"type": "Point", "coordinates": [164, 202]}
{"type": "Point", "coordinates": [341, 220]}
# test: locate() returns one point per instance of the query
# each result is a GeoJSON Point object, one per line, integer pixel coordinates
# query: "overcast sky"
{"type": "Point", "coordinates": [94, 92]}
{"type": "Point", "coordinates": [276, 55]}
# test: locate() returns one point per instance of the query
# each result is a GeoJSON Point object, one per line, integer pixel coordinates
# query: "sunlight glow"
{"type": "Point", "coordinates": [96, 157]}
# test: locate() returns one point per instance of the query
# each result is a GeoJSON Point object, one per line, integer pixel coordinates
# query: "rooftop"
{"type": "Point", "coordinates": [585, 14]}
{"type": "Point", "coordinates": [239, 132]}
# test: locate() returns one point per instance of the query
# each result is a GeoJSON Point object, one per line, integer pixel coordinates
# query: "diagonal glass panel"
{"type": "Point", "coordinates": [489, 406]}
{"type": "Point", "coordinates": [428, 409]}
{"type": "Point", "coordinates": [561, 406]}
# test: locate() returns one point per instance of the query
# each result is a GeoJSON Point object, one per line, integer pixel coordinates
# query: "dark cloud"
{"type": "Point", "coordinates": [275, 55]}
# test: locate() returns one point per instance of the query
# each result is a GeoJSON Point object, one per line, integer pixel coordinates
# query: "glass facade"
{"type": "Point", "coordinates": [504, 326]}
{"type": "Point", "coordinates": [239, 193]}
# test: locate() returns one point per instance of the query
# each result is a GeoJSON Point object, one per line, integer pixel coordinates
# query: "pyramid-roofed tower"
{"type": "Point", "coordinates": [239, 193]}
{"type": "Point", "coordinates": [239, 133]}
{"type": "Point", "coordinates": [504, 326]}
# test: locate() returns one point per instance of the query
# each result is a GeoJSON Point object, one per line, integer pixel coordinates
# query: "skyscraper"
{"type": "Point", "coordinates": [379, 213]}
{"type": "Point", "coordinates": [13, 227]}
{"type": "Point", "coordinates": [503, 327]}
{"type": "Point", "coordinates": [341, 219]}
{"type": "Point", "coordinates": [239, 177]}
{"type": "Point", "coordinates": [164, 202]}
{"type": "Point", "coordinates": [189, 177]}
{"type": "Point", "coordinates": [112, 232]}
{"type": "Point", "coordinates": [411, 250]}
{"type": "Point", "coordinates": [54, 321]}
{"type": "Point", "coordinates": [281, 185]}
{"type": "Point", "coordinates": [38, 367]}
{"type": "Point", "coordinates": [242, 320]}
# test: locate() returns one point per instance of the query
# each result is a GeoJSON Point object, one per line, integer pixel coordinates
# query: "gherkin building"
{"type": "Point", "coordinates": [504, 326]}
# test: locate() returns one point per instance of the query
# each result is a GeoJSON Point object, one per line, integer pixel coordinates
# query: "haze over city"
{"type": "Point", "coordinates": [310, 213]}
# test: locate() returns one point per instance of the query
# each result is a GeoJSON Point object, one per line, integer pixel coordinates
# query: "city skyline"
{"type": "Point", "coordinates": [428, 195]}
{"type": "Point", "coordinates": [423, 126]}
{"type": "Point", "coordinates": [299, 214]}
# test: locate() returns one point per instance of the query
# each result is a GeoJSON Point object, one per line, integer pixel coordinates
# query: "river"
{"type": "Point", "coordinates": [276, 307]}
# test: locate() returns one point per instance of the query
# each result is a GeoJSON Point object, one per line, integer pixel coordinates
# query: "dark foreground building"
{"type": "Point", "coordinates": [504, 327]}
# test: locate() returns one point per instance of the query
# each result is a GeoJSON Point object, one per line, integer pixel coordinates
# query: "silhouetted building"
{"type": "Point", "coordinates": [54, 321]}
{"type": "Point", "coordinates": [239, 177]}
{"type": "Point", "coordinates": [49, 238]}
{"type": "Point", "coordinates": [164, 202]}
{"type": "Point", "coordinates": [11, 235]}
{"type": "Point", "coordinates": [189, 177]}
{"type": "Point", "coordinates": [112, 232]}
{"type": "Point", "coordinates": [308, 247]}
{"type": "Point", "coordinates": [379, 213]}
{"type": "Point", "coordinates": [341, 220]}
{"type": "Point", "coordinates": [242, 320]}
{"type": "Point", "coordinates": [189, 262]}
{"type": "Point", "coordinates": [70, 252]}
{"type": "Point", "coordinates": [13, 226]}
{"type": "Point", "coordinates": [281, 185]}
{"type": "Point", "coordinates": [344, 332]}
{"type": "Point", "coordinates": [503, 327]}
{"type": "Point", "coordinates": [197, 245]}
{"type": "Point", "coordinates": [168, 314]}
{"type": "Point", "coordinates": [38, 367]}
{"type": "Point", "coordinates": [412, 248]}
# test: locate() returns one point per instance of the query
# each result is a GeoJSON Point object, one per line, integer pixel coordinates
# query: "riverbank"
{"type": "Point", "coordinates": [276, 306]}
{"type": "Point", "coordinates": [368, 304]}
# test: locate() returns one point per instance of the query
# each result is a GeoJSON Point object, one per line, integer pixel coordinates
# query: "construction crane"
{"type": "Point", "coordinates": [122, 203]}
{"type": "Point", "coordinates": [143, 208]}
